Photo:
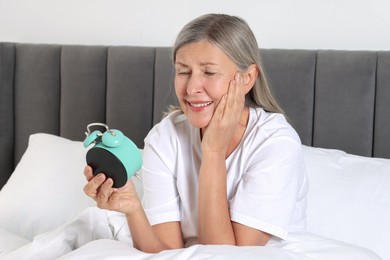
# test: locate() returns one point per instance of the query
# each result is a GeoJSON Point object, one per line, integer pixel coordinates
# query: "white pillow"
{"type": "Point", "coordinates": [9, 241]}
{"type": "Point", "coordinates": [349, 198]}
{"type": "Point", "coordinates": [46, 188]}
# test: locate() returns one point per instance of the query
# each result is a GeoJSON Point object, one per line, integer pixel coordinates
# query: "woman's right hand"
{"type": "Point", "coordinates": [99, 188]}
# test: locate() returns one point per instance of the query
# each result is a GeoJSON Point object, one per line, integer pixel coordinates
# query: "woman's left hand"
{"type": "Point", "coordinates": [226, 118]}
{"type": "Point", "coordinates": [219, 139]}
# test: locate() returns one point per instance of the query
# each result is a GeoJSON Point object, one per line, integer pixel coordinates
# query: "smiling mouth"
{"type": "Point", "coordinates": [199, 105]}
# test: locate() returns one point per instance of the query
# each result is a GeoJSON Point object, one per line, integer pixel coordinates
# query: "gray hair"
{"type": "Point", "coordinates": [232, 35]}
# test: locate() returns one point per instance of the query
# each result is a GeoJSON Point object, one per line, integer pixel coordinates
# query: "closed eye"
{"type": "Point", "coordinates": [209, 73]}
{"type": "Point", "coordinates": [183, 73]}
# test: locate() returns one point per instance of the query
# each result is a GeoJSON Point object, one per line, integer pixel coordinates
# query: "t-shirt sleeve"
{"type": "Point", "coordinates": [160, 195]}
{"type": "Point", "coordinates": [267, 194]}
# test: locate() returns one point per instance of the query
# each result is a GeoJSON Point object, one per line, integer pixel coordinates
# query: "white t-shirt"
{"type": "Point", "coordinates": [266, 178]}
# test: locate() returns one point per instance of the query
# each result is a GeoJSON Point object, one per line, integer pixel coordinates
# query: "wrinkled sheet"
{"type": "Point", "coordinates": [100, 234]}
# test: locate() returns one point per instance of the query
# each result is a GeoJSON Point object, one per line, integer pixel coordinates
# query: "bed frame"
{"type": "Point", "coordinates": [334, 99]}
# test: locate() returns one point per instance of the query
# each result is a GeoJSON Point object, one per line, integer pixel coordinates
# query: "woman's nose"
{"type": "Point", "coordinates": [194, 85]}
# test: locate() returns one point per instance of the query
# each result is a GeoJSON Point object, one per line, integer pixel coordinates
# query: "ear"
{"type": "Point", "coordinates": [249, 77]}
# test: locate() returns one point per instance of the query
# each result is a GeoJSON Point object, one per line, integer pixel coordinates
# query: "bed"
{"type": "Point", "coordinates": [338, 101]}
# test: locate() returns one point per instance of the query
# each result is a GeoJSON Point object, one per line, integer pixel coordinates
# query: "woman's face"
{"type": "Point", "coordinates": [203, 74]}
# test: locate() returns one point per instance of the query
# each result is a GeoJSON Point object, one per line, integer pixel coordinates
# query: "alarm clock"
{"type": "Point", "coordinates": [112, 154]}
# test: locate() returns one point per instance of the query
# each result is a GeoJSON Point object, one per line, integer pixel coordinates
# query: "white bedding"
{"type": "Point", "coordinates": [44, 213]}
{"type": "Point", "coordinates": [100, 234]}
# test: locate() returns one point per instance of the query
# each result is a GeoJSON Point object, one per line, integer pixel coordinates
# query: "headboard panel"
{"type": "Point", "coordinates": [291, 75]}
{"type": "Point", "coordinates": [334, 99]}
{"type": "Point", "coordinates": [36, 92]}
{"type": "Point", "coordinates": [82, 82]}
{"type": "Point", "coordinates": [345, 101]}
{"type": "Point", "coordinates": [7, 65]}
{"type": "Point", "coordinates": [164, 93]}
{"type": "Point", "coordinates": [130, 90]}
{"type": "Point", "coordinates": [382, 107]}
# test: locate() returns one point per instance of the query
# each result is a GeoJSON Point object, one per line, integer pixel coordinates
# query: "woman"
{"type": "Point", "coordinates": [226, 168]}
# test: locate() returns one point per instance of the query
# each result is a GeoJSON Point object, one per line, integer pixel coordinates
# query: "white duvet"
{"type": "Point", "coordinates": [100, 234]}
{"type": "Point", "coordinates": [348, 200]}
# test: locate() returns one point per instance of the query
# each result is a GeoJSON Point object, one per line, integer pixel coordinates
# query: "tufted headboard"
{"type": "Point", "coordinates": [334, 99]}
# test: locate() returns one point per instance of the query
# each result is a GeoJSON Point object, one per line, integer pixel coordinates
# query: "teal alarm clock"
{"type": "Point", "coordinates": [113, 154]}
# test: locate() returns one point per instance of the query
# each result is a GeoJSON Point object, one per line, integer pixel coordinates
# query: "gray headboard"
{"type": "Point", "coordinates": [334, 99]}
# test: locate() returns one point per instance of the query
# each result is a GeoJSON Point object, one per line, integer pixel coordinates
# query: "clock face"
{"type": "Point", "coordinates": [102, 161]}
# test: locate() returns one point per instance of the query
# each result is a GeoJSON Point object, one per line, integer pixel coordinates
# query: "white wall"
{"type": "Point", "coordinates": [302, 24]}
